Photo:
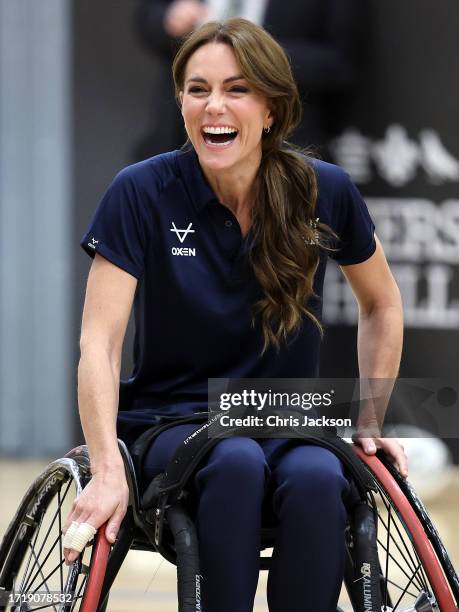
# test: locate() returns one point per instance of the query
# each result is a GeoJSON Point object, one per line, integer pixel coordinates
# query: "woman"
{"type": "Point", "coordinates": [220, 247]}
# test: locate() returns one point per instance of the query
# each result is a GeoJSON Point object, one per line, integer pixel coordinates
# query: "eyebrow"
{"type": "Point", "coordinates": [197, 79]}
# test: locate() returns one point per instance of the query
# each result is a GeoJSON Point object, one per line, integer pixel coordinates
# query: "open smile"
{"type": "Point", "coordinates": [219, 137]}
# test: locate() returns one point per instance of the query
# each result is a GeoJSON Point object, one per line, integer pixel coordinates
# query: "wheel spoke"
{"type": "Point", "coordinates": [402, 569]}
{"type": "Point", "coordinates": [405, 590]}
{"type": "Point", "coordinates": [61, 552]}
{"type": "Point", "coordinates": [78, 595]}
{"type": "Point", "coordinates": [422, 576]}
{"type": "Point", "coordinates": [49, 530]}
{"type": "Point", "coordinates": [409, 562]}
{"type": "Point", "coordinates": [400, 548]}
{"type": "Point", "coordinates": [417, 565]}
{"type": "Point", "coordinates": [397, 586]}
{"type": "Point", "coordinates": [43, 562]}
{"type": "Point", "coordinates": [37, 531]}
{"type": "Point", "coordinates": [43, 581]}
{"type": "Point", "coordinates": [53, 571]}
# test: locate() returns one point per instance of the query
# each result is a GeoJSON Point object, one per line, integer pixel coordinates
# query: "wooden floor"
{"type": "Point", "coordinates": [148, 583]}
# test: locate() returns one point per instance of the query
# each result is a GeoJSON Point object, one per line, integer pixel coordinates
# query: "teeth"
{"type": "Point", "coordinates": [222, 144]}
{"type": "Point", "coordinates": [219, 130]}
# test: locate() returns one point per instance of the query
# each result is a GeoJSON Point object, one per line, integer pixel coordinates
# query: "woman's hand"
{"type": "Point", "coordinates": [183, 15]}
{"type": "Point", "coordinates": [105, 498]}
{"type": "Point", "coordinates": [391, 447]}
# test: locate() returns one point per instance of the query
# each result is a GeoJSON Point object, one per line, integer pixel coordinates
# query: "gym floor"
{"type": "Point", "coordinates": [147, 582]}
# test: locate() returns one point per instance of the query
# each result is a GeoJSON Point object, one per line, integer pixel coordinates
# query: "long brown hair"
{"type": "Point", "coordinates": [287, 238]}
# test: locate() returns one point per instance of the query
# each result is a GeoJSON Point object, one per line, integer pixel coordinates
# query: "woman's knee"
{"type": "Point", "coordinates": [235, 460]}
{"type": "Point", "coordinates": [311, 471]}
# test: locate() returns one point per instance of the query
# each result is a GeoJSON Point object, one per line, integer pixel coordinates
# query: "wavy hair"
{"type": "Point", "coordinates": [287, 236]}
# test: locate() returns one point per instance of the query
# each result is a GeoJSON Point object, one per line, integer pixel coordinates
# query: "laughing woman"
{"type": "Point", "coordinates": [222, 246]}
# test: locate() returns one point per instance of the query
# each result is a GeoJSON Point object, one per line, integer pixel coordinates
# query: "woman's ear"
{"type": "Point", "coordinates": [270, 120]}
{"type": "Point", "coordinates": [270, 117]}
{"type": "Point", "coordinates": [180, 99]}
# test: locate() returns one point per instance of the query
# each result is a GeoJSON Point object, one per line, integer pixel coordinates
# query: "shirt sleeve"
{"type": "Point", "coordinates": [120, 227]}
{"type": "Point", "coordinates": [352, 223]}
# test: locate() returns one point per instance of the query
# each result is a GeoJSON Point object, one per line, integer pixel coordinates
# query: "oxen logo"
{"type": "Point", "coordinates": [182, 233]}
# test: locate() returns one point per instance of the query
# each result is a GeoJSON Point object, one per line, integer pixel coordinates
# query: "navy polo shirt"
{"type": "Point", "coordinates": [161, 222]}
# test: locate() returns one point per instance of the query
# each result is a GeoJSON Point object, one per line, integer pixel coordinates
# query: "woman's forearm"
{"type": "Point", "coordinates": [380, 341]}
{"type": "Point", "coordinates": [98, 389]}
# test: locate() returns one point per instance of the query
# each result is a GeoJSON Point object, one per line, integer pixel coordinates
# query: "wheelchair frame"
{"type": "Point", "coordinates": [138, 533]}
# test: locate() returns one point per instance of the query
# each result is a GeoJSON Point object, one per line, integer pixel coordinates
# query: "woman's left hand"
{"type": "Point", "coordinates": [391, 447]}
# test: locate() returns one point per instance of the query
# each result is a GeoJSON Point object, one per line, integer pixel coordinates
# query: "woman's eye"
{"type": "Point", "coordinates": [196, 89]}
{"type": "Point", "coordinates": [239, 89]}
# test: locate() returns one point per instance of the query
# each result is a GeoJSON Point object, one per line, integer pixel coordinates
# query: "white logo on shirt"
{"type": "Point", "coordinates": [183, 251]}
{"type": "Point", "coordinates": [182, 233]}
{"type": "Point", "coordinates": [93, 243]}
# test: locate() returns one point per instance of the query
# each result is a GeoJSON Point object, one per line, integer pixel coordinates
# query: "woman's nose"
{"type": "Point", "coordinates": [216, 104]}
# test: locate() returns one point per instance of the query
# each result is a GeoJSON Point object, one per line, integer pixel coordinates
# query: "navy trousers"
{"type": "Point", "coordinates": [244, 483]}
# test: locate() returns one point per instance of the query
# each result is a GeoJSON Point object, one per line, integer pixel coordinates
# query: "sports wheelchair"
{"type": "Point", "coordinates": [395, 560]}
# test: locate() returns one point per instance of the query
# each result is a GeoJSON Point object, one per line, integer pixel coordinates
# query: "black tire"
{"type": "Point", "coordinates": [430, 530]}
{"type": "Point", "coordinates": [33, 574]}
{"type": "Point", "coordinates": [406, 582]}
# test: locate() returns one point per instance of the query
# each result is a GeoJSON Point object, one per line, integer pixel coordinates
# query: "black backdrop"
{"type": "Point", "coordinates": [411, 97]}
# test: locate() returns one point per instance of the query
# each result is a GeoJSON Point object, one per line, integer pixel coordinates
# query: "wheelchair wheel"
{"type": "Point", "coordinates": [415, 571]}
{"type": "Point", "coordinates": [33, 573]}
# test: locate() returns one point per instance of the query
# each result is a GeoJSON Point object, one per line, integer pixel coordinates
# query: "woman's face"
{"type": "Point", "coordinates": [224, 117]}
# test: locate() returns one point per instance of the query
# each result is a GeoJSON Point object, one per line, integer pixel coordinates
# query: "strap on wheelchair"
{"type": "Point", "coordinates": [190, 452]}
{"type": "Point", "coordinates": [139, 448]}
{"type": "Point", "coordinates": [185, 460]}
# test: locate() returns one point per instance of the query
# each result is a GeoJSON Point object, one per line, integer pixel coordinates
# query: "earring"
{"type": "Point", "coordinates": [267, 129]}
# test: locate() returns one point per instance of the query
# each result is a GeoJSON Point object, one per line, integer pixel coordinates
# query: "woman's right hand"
{"type": "Point", "coordinates": [104, 499]}
{"type": "Point", "coordinates": [183, 15]}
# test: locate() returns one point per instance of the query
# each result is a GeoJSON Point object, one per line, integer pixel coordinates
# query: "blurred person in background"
{"type": "Point", "coordinates": [325, 42]}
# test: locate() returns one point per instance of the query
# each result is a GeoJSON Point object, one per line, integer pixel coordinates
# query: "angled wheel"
{"type": "Point", "coordinates": [33, 574]}
{"type": "Point", "coordinates": [415, 571]}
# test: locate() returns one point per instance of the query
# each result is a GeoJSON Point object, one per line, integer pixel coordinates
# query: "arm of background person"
{"type": "Point", "coordinates": [331, 64]}
{"type": "Point", "coordinates": [162, 24]}
{"type": "Point", "coordinates": [380, 337]}
{"type": "Point", "coordinates": [108, 302]}
{"type": "Point", "coordinates": [149, 21]}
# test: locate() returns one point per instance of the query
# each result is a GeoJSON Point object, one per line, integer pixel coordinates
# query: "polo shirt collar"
{"type": "Point", "coordinates": [195, 182]}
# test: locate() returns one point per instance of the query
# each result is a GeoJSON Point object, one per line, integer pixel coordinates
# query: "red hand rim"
{"type": "Point", "coordinates": [97, 571]}
{"type": "Point", "coordinates": [421, 543]}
